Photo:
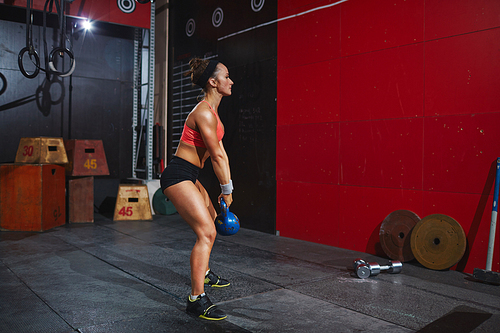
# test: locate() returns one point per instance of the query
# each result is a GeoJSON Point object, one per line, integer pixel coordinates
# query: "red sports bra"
{"type": "Point", "coordinates": [191, 137]}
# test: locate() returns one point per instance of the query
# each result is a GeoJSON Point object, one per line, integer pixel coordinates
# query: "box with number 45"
{"type": "Point", "coordinates": [86, 158]}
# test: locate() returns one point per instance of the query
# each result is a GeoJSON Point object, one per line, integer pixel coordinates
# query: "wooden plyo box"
{"type": "Point", "coordinates": [32, 197]}
{"type": "Point", "coordinates": [81, 200]}
{"type": "Point", "coordinates": [86, 158]}
{"type": "Point", "coordinates": [132, 203]}
{"type": "Point", "coordinates": [41, 151]}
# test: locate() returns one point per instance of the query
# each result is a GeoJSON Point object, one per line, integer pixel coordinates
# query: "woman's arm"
{"type": "Point", "coordinates": [226, 157]}
{"type": "Point", "coordinates": [207, 125]}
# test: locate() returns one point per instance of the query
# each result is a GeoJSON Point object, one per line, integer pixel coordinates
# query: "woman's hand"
{"type": "Point", "coordinates": [228, 199]}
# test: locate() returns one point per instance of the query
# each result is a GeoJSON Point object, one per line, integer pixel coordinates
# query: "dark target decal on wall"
{"type": "Point", "coordinates": [257, 5]}
{"type": "Point", "coordinates": [4, 84]}
{"type": "Point", "coordinates": [217, 17]}
{"type": "Point", "coordinates": [190, 27]}
{"type": "Point", "coordinates": [126, 6]}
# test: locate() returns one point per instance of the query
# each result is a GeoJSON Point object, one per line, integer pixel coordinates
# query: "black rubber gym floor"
{"type": "Point", "coordinates": [133, 276]}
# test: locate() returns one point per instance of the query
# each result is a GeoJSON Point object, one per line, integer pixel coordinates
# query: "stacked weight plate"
{"type": "Point", "coordinates": [437, 241]}
{"type": "Point", "coordinates": [395, 233]}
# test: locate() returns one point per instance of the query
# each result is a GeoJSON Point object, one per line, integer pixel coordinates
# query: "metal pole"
{"type": "Point", "coordinates": [135, 91]}
{"type": "Point", "coordinates": [151, 95]}
{"type": "Point", "coordinates": [493, 226]}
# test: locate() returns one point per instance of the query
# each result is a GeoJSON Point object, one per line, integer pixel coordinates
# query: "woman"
{"type": "Point", "coordinates": [201, 138]}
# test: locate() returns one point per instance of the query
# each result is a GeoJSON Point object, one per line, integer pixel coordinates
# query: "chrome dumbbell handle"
{"type": "Point", "coordinates": [364, 269]}
{"type": "Point", "coordinates": [394, 267]}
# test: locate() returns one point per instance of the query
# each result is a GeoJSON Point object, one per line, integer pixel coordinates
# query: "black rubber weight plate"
{"type": "Point", "coordinates": [162, 205]}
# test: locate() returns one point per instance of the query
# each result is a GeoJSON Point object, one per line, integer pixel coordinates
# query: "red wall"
{"type": "Point", "coordinates": [386, 105]}
{"type": "Point", "coordinates": [100, 10]}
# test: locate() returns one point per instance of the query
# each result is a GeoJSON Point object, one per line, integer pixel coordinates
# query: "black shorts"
{"type": "Point", "coordinates": [178, 170]}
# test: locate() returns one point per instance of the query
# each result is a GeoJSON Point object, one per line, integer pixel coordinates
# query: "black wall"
{"type": "Point", "coordinates": [249, 114]}
{"type": "Point", "coordinates": [94, 103]}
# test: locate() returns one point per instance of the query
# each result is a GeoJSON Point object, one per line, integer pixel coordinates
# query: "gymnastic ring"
{"type": "Point", "coordinates": [63, 92]}
{"type": "Point", "coordinates": [4, 83]}
{"type": "Point", "coordinates": [43, 99]}
{"type": "Point", "coordinates": [43, 96]}
{"type": "Point", "coordinates": [21, 66]}
{"type": "Point", "coordinates": [51, 61]}
{"type": "Point", "coordinates": [142, 2]}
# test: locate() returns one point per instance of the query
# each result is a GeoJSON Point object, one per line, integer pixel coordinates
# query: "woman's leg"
{"type": "Point", "coordinates": [190, 200]}
{"type": "Point", "coordinates": [208, 203]}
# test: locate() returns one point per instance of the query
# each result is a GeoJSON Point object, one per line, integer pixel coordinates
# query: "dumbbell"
{"type": "Point", "coordinates": [364, 269]}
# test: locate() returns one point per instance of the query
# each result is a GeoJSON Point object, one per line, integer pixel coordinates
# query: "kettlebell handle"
{"type": "Point", "coordinates": [223, 207]}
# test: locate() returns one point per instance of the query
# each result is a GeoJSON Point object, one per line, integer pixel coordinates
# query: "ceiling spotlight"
{"type": "Point", "coordinates": [87, 25]}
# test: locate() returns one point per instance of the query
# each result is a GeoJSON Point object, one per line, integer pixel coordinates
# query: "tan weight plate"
{"type": "Point", "coordinates": [438, 242]}
{"type": "Point", "coordinates": [395, 234]}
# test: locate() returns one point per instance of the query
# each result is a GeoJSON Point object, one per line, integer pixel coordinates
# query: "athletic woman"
{"type": "Point", "coordinates": [201, 138]}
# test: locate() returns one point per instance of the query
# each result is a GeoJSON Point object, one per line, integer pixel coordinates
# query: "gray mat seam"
{"type": "Point", "coordinates": [125, 271]}
{"type": "Point", "coordinates": [39, 297]}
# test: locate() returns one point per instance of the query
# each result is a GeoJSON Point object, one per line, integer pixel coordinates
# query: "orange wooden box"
{"type": "Point", "coordinates": [41, 151]}
{"type": "Point", "coordinates": [132, 203]}
{"type": "Point", "coordinates": [81, 200]}
{"type": "Point", "coordinates": [86, 158]}
{"type": "Point", "coordinates": [32, 197]}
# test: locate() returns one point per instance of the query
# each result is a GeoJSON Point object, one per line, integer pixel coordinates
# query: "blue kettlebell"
{"type": "Point", "coordinates": [226, 223]}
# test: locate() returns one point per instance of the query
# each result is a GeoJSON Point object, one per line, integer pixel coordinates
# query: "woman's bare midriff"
{"type": "Point", "coordinates": [194, 155]}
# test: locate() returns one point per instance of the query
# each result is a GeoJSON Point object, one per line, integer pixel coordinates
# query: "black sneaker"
{"type": "Point", "coordinates": [202, 307]}
{"type": "Point", "coordinates": [213, 280]}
